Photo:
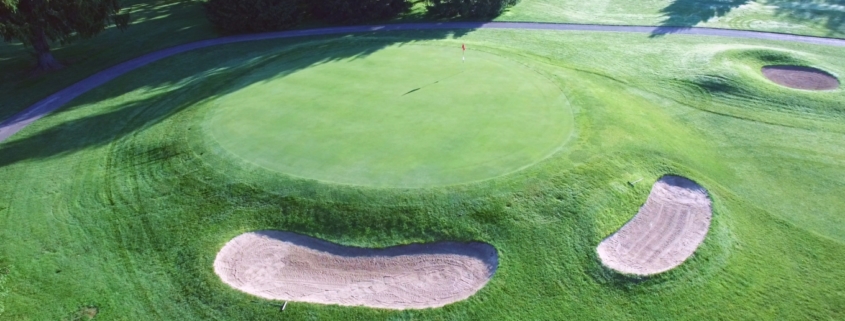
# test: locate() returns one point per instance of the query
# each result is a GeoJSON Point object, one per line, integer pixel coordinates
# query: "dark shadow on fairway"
{"type": "Point", "coordinates": [479, 250]}
{"type": "Point", "coordinates": [683, 14]}
{"type": "Point", "coordinates": [827, 14]}
{"type": "Point", "coordinates": [190, 84]}
{"type": "Point", "coordinates": [412, 90]}
{"type": "Point", "coordinates": [155, 25]}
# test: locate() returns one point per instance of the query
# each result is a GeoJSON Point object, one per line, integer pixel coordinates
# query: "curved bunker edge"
{"type": "Point", "coordinates": [666, 231]}
{"type": "Point", "coordinates": [287, 266]}
{"type": "Point", "coordinates": [800, 77]}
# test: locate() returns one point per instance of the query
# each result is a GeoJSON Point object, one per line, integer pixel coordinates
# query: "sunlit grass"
{"type": "Point", "coordinates": [817, 18]}
{"type": "Point", "coordinates": [120, 202]}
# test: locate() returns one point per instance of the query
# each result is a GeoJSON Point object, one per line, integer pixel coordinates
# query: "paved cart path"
{"type": "Point", "coordinates": [55, 101]}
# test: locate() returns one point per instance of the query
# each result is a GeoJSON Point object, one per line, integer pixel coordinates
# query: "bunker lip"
{"type": "Point", "coordinates": [799, 77]}
{"type": "Point", "coordinates": [287, 266]}
{"type": "Point", "coordinates": [666, 231]}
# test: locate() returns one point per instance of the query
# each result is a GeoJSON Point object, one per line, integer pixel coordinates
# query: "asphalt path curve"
{"type": "Point", "coordinates": [55, 101]}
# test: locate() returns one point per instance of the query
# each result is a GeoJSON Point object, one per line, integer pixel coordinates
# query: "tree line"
{"type": "Point", "coordinates": [37, 23]}
{"type": "Point", "coordinates": [239, 16]}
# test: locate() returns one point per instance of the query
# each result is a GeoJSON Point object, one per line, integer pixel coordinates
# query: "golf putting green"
{"type": "Point", "coordinates": [403, 116]}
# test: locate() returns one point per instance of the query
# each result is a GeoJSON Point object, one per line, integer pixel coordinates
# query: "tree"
{"type": "Point", "coordinates": [358, 11]}
{"type": "Point", "coordinates": [241, 16]}
{"type": "Point", "coordinates": [37, 22]}
{"type": "Point", "coordinates": [468, 8]}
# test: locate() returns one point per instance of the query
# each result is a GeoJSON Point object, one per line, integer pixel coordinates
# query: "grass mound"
{"type": "Point", "coordinates": [731, 83]}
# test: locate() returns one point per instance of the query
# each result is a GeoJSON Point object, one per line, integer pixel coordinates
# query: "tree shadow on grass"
{"type": "Point", "coordinates": [827, 14]}
{"type": "Point", "coordinates": [155, 25]}
{"type": "Point", "coordinates": [198, 77]}
{"type": "Point", "coordinates": [684, 14]}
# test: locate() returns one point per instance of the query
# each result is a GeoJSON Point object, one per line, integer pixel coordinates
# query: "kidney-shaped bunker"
{"type": "Point", "coordinates": [287, 266]}
{"type": "Point", "coordinates": [664, 233]}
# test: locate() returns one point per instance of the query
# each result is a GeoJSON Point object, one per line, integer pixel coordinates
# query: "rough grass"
{"type": "Point", "coordinates": [4, 290]}
{"type": "Point", "coordinates": [809, 17]}
{"type": "Point", "coordinates": [128, 217]}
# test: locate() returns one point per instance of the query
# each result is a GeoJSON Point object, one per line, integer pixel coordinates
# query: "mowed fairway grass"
{"type": "Point", "coordinates": [121, 200]}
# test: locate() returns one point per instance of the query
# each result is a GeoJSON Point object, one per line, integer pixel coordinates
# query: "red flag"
{"type": "Point", "coordinates": [463, 47]}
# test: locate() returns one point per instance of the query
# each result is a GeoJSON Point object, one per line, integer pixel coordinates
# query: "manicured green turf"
{"type": "Point", "coordinates": [408, 116]}
{"type": "Point", "coordinates": [120, 201]}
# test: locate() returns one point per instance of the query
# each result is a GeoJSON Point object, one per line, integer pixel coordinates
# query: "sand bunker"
{"type": "Point", "coordinates": [665, 232]}
{"type": "Point", "coordinates": [801, 77]}
{"type": "Point", "coordinates": [287, 266]}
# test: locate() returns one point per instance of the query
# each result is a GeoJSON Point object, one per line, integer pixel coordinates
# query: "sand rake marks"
{"type": "Point", "coordinates": [292, 267]}
{"type": "Point", "coordinates": [666, 231]}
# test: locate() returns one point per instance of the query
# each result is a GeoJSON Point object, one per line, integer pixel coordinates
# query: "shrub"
{"type": "Point", "coordinates": [356, 11]}
{"type": "Point", "coordinates": [242, 16]}
{"type": "Point", "coordinates": [468, 8]}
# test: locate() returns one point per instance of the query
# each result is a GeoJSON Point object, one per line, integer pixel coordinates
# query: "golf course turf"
{"type": "Point", "coordinates": [120, 201]}
{"type": "Point", "coordinates": [407, 116]}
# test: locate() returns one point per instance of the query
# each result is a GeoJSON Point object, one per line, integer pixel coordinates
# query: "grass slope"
{"type": "Point", "coordinates": [817, 18]}
{"type": "Point", "coordinates": [128, 217]}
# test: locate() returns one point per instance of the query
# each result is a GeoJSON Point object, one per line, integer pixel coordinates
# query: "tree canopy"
{"type": "Point", "coordinates": [240, 16]}
{"type": "Point", "coordinates": [37, 22]}
{"type": "Point", "coordinates": [358, 11]}
{"type": "Point", "coordinates": [468, 8]}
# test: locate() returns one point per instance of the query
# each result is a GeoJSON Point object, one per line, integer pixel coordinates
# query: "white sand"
{"type": "Point", "coordinates": [287, 266]}
{"type": "Point", "coordinates": [664, 233]}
